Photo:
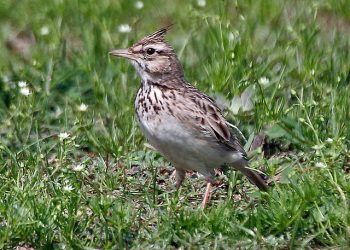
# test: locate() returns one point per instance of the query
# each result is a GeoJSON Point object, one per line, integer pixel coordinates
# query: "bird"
{"type": "Point", "coordinates": [184, 124]}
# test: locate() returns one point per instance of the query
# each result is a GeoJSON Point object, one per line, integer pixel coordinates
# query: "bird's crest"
{"type": "Point", "coordinates": [158, 36]}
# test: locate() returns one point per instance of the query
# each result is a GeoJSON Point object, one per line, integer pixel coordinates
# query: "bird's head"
{"type": "Point", "coordinates": [153, 58]}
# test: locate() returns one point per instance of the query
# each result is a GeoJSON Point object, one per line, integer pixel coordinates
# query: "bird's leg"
{"type": "Point", "coordinates": [210, 182]}
{"type": "Point", "coordinates": [206, 195]}
{"type": "Point", "coordinates": [180, 176]}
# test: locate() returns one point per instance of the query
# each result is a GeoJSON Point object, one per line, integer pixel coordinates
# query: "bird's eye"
{"type": "Point", "coordinates": [150, 51]}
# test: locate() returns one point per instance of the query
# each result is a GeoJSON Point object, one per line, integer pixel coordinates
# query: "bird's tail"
{"type": "Point", "coordinates": [252, 175]}
{"type": "Point", "coordinates": [255, 178]}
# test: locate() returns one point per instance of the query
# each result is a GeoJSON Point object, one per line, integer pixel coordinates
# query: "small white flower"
{"type": "Point", "coordinates": [3, 223]}
{"type": "Point", "coordinates": [320, 165]}
{"type": "Point", "coordinates": [22, 84]}
{"type": "Point", "coordinates": [312, 72]}
{"type": "Point", "coordinates": [83, 107]}
{"type": "Point", "coordinates": [317, 147]}
{"type": "Point", "coordinates": [25, 91]}
{"type": "Point", "coordinates": [65, 213]}
{"type": "Point", "coordinates": [329, 140]}
{"type": "Point", "coordinates": [79, 213]}
{"type": "Point", "coordinates": [124, 28]}
{"type": "Point", "coordinates": [78, 167]}
{"type": "Point", "coordinates": [68, 188]}
{"type": "Point", "coordinates": [231, 36]}
{"type": "Point", "coordinates": [139, 5]}
{"type": "Point", "coordinates": [201, 3]}
{"type": "Point", "coordinates": [5, 79]}
{"type": "Point", "coordinates": [264, 81]}
{"type": "Point", "coordinates": [44, 30]}
{"type": "Point", "coordinates": [89, 212]}
{"type": "Point", "coordinates": [338, 78]}
{"type": "Point", "coordinates": [63, 136]}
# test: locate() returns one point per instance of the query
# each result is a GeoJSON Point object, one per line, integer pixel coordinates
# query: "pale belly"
{"type": "Point", "coordinates": [180, 146]}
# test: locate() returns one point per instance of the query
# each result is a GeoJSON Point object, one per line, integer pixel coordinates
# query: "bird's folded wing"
{"type": "Point", "coordinates": [201, 112]}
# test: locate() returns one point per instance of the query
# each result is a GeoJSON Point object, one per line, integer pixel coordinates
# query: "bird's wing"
{"type": "Point", "coordinates": [201, 111]}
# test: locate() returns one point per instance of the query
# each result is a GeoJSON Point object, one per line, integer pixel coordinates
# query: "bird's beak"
{"type": "Point", "coordinates": [122, 53]}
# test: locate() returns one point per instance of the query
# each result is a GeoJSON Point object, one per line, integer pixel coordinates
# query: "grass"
{"type": "Point", "coordinates": [75, 179]}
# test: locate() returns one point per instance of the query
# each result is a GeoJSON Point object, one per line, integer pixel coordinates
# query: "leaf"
{"type": "Point", "coordinates": [288, 128]}
{"type": "Point", "coordinates": [247, 99]}
{"type": "Point", "coordinates": [276, 131]}
{"type": "Point", "coordinates": [236, 104]}
{"type": "Point", "coordinates": [244, 102]}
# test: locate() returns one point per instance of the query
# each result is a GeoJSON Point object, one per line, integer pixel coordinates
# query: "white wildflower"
{"type": "Point", "coordinates": [124, 28]}
{"type": "Point", "coordinates": [201, 3]}
{"type": "Point", "coordinates": [231, 36]}
{"type": "Point", "coordinates": [89, 212]}
{"type": "Point", "coordinates": [68, 188]}
{"type": "Point", "coordinates": [312, 72]}
{"type": "Point", "coordinates": [264, 81]}
{"type": "Point", "coordinates": [65, 213]}
{"type": "Point", "coordinates": [338, 78]}
{"type": "Point", "coordinates": [329, 140]}
{"type": "Point", "coordinates": [320, 165]}
{"type": "Point", "coordinates": [5, 79]}
{"type": "Point", "coordinates": [78, 167]}
{"type": "Point", "coordinates": [44, 30]}
{"type": "Point", "coordinates": [139, 5]}
{"type": "Point", "coordinates": [22, 84]}
{"type": "Point", "coordinates": [79, 213]}
{"type": "Point", "coordinates": [3, 223]}
{"type": "Point", "coordinates": [63, 136]}
{"type": "Point", "coordinates": [83, 107]}
{"type": "Point", "coordinates": [25, 91]}
{"type": "Point", "coordinates": [317, 147]}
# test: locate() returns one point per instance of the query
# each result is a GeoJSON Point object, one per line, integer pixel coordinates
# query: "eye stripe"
{"type": "Point", "coordinates": [156, 46]}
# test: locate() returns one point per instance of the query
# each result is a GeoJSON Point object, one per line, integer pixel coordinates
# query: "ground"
{"type": "Point", "coordinates": [74, 169]}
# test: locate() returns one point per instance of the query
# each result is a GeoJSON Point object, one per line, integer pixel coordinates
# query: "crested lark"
{"type": "Point", "coordinates": [183, 124]}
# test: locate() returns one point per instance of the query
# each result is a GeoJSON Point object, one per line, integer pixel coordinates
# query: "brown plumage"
{"type": "Point", "coordinates": [182, 123]}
